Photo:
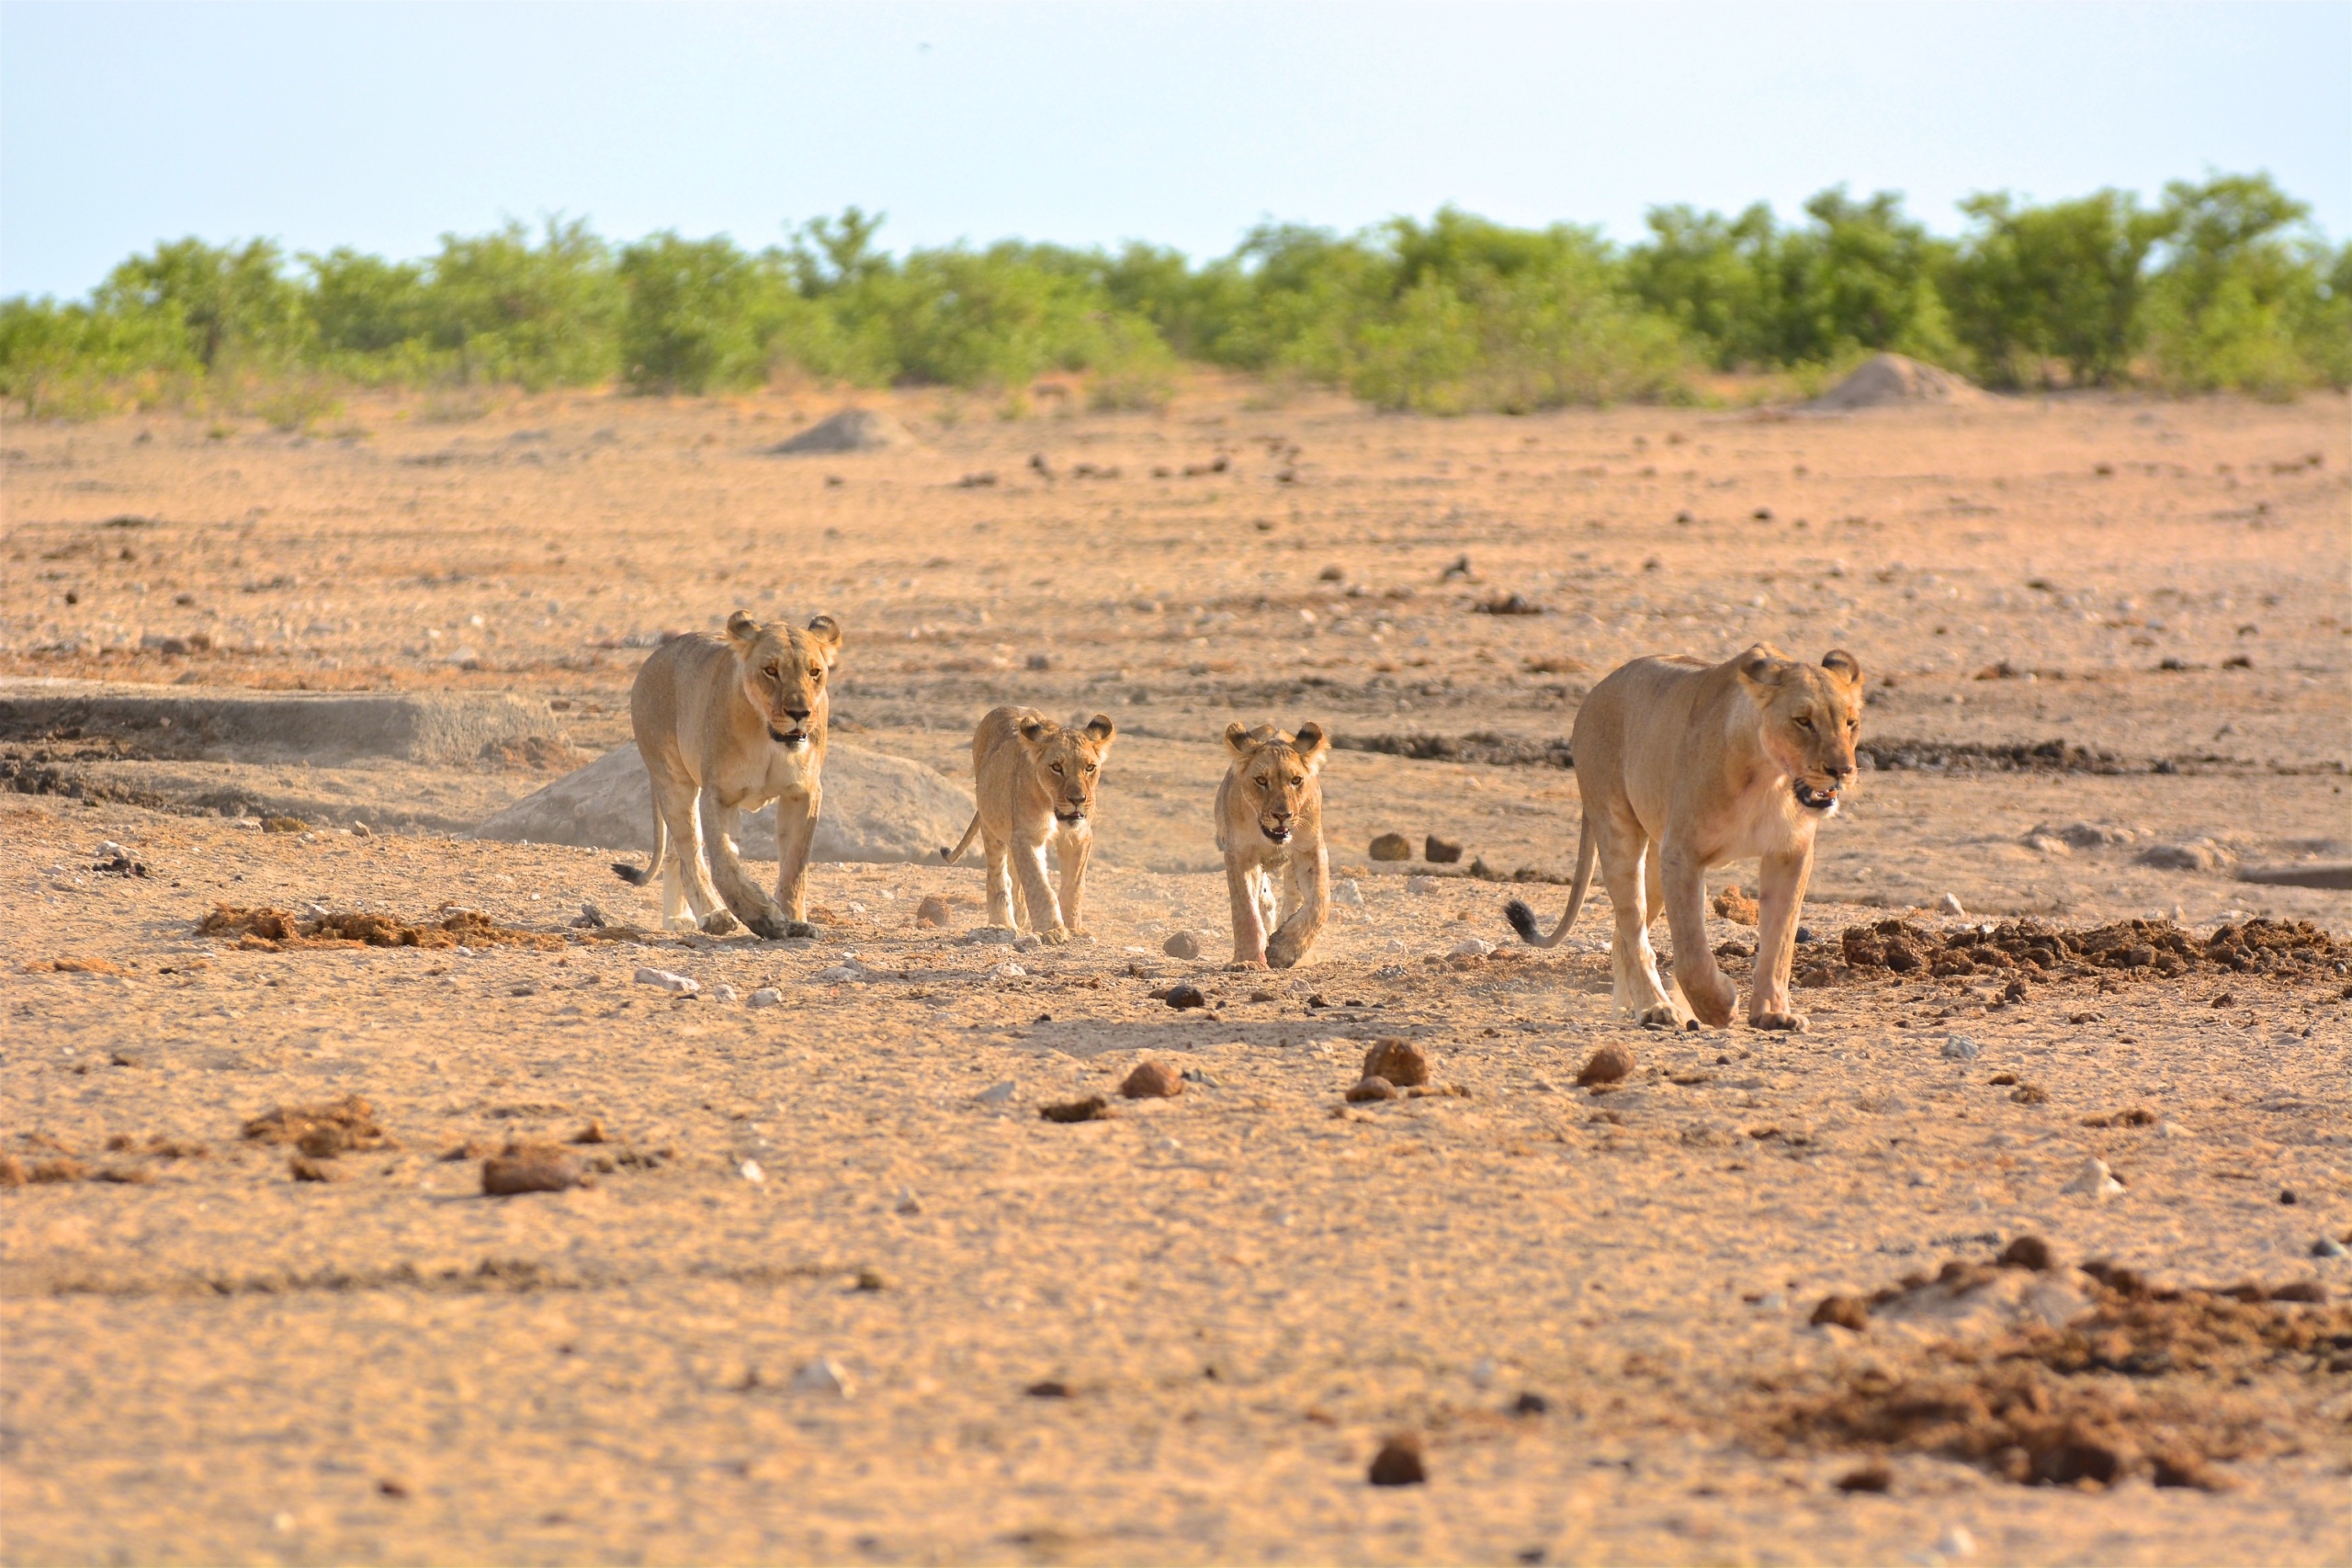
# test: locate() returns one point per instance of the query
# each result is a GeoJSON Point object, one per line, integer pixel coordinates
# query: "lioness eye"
{"type": "Point", "coordinates": [1806, 725]}
{"type": "Point", "coordinates": [816, 671]}
{"type": "Point", "coordinates": [1058, 767]}
{"type": "Point", "coordinates": [1090, 767]}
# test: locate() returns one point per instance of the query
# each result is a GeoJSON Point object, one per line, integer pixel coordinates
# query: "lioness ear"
{"type": "Point", "coordinates": [1759, 671]}
{"type": "Point", "coordinates": [742, 630]}
{"type": "Point", "coordinates": [1035, 731]}
{"type": "Point", "coordinates": [1844, 665]}
{"type": "Point", "coordinates": [1104, 731]}
{"type": "Point", "coordinates": [1312, 745]}
{"type": "Point", "coordinates": [1237, 737]}
{"type": "Point", "coordinates": [826, 633]}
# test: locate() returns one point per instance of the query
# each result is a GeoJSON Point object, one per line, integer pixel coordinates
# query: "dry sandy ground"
{"type": "Point", "coordinates": [1244, 1289]}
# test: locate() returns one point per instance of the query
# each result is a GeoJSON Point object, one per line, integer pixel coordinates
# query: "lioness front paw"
{"type": "Point", "coordinates": [1795, 1023]}
{"type": "Point", "coordinates": [1054, 936]}
{"type": "Point", "coordinates": [1282, 954]}
{"type": "Point", "coordinates": [769, 926]}
{"type": "Point", "coordinates": [1246, 963]}
{"type": "Point", "coordinates": [799, 928]}
{"type": "Point", "coordinates": [718, 922]}
{"type": "Point", "coordinates": [1662, 1016]}
{"type": "Point", "coordinates": [1711, 997]}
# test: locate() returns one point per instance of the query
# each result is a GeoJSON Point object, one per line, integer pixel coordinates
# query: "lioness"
{"type": "Point", "coordinates": [1034, 784]}
{"type": "Point", "coordinates": [1683, 766]}
{"type": "Point", "coordinates": [1269, 819]}
{"type": "Point", "coordinates": [725, 726]}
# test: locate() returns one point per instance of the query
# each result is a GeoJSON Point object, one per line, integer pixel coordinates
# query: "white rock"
{"type": "Point", "coordinates": [2094, 1181]}
{"type": "Point", "coordinates": [677, 985]}
{"type": "Point", "coordinates": [1027, 943]}
{"type": "Point", "coordinates": [823, 1375]}
{"type": "Point", "coordinates": [1957, 1542]}
{"type": "Point", "coordinates": [1482, 1371]}
{"type": "Point", "coordinates": [1421, 885]}
{"type": "Point", "coordinates": [987, 936]}
{"type": "Point", "coordinates": [723, 993]}
{"type": "Point", "coordinates": [1348, 894]}
{"type": "Point", "coordinates": [751, 1172]}
{"type": "Point", "coordinates": [1950, 905]}
{"type": "Point", "coordinates": [996, 1093]}
{"type": "Point", "coordinates": [839, 972]}
{"type": "Point", "coordinates": [109, 849]}
{"type": "Point", "coordinates": [1008, 972]}
{"type": "Point", "coordinates": [2173, 1130]}
{"type": "Point", "coordinates": [1961, 1048]}
{"type": "Point", "coordinates": [857, 908]}
{"type": "Point", "coordinates": [1472, 947]}
{"type": "Point", "coordinates": [766, 997]}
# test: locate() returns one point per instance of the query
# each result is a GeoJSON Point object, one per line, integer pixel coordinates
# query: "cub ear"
{"type": "Point", "coordinates": [742, 630]}
{"type": "Point", "coordinates": [1037, 732]}
{"type": "Point", "coordinates": [1104, 731]}
{"type": "Point", "coordinates": [826, 633]}
{"type": "Point", "coordinates": [1312, 745]}
{"type": "Point", "coordinates": [1237, 737]}
{"type": "Point", "coordinates": [1844, 665]}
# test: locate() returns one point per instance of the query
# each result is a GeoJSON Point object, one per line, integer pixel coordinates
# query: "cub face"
{"type": "Point", "coordinates": [1810, 717]}
{"type": "Point", "coordinates": [784, 671]}
{"type": "Point", "coordinates": [1275, 774]}
{"type": "Point", "coordinates": [1069, 762]}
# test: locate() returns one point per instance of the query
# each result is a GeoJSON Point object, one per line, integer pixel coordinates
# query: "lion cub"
{"type": "Point", "coordinates": [1685, 765]}
{"type": "Point", "coordinates": [1035, 785]}
{"type": "Point", "coordinates": [725, 726]}
{"type": "Point", "coordinates": [1270, 820]}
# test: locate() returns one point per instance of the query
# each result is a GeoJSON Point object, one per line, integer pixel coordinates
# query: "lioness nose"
{"type": "Point", "coordinates": [796, 712]}
{"type": "Point", "coordinates": [1839, 769]}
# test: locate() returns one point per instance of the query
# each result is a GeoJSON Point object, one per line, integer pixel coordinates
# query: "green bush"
{"type": "Point", "coordinates": [695, 318]}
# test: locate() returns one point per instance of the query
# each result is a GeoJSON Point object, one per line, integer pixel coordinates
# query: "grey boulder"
{"type": "Point", "coordinates": [877, 808]}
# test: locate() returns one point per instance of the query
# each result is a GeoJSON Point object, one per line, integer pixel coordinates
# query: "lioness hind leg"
{"type": "Point", "coordinates": [1632, 963]}
{"type": "Point", "coordinates": [1243, 886]}
{"type": "Point", "coordinates": [1000, 883]}
{"type": "Point", "coordinates": [686, 899]}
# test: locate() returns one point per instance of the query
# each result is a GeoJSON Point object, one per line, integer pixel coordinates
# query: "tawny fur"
{"type": "Point", "coordinates": [1684, 766]}
{"type": "Point", "coordinates": [1269, 825]}
{"type": "Point", "coordinates": [1034, 784]}
{"type": "Point", "coordinates": [726, 724]}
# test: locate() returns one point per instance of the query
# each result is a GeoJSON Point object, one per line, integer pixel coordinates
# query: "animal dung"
{"type": "Point", "coordinates": [1370, 1087]}
{"type": "Point", "coordinates": [1094, 1108]}
{"type": "Point", "coordinates": [1399, 1061]}
{"type": "Point", "coordinates": [1610, 1064]}
{"type": "Point", "coordinates": [1182, 997]}
{"type": "Point", "coordinates": [1184, 944]}
{"type": "Point", "coordinates": [1392, 846]}
{"type": "Point", "coordinates": [528, 1167]}
{"type": "Point", "coordinates": [1439, 852]}
{"type": "Point", "coordinates": [1152, 1080]}
{"type": "Point", "coordinates": [1399, 1463]}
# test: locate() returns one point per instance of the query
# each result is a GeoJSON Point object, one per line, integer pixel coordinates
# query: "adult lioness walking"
{"type": "Point", "coordinates": [725, 726]}
{"type": "Point", "coordinates": [1034, 784]}
{"type": "Point", "coordinates": [1269, 825]}
{"type": "Point", "coordinates": [1685, 765]}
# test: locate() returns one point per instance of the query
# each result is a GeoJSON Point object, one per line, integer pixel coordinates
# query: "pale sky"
{"type": "Point", "coordinates": [383, 126]}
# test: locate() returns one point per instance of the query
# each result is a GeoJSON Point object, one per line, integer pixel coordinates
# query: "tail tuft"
{"type": "Point", "coordinates": [948, 854]}
{"type": "Point", "coordinates": [633, 876]}
{"type": "Point", "coordinates": [1522, 921]}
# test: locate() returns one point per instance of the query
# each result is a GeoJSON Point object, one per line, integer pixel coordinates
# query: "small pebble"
{"type": "Point", "coordinates": [1181, 996]}
{"type": "Point", "coordinates": [1094, 1108]}
{"type": "Point", "coordinates": [1950, 904]}
{"type": "Point", "coordinates": [592, 918]}
{"type": "Point", "coordinates": [1027, 943]}
{"type": "Point", "coordinates": [1530, 1403]}
{"type": "Point", "coordinates": [677, 985]}
{"type": "Point", "coordinates": [1346, 894]}
{"type": "Point", "coordinates": [839, 973]}
{"type": "Point", "coordinates": [766, 997]}
{"type": "Point", "coordinates": [1399, 1061]}
{"type": "Point", "coordinates": [996, 1093]}
{"type": "Point", "coordinates": [528, 1168]}
{"type": "Point", "coordinates": [2029, 1252]}
{"type": "Point", "coordinates": [1961, 1048]}
{"type": "Point", "coordinates": [1008, 972]}
{"type": "Point", "coordinates": [875, 1280]}
{"type": "Point", "coordinates": [2328, 1247]}
{"type": "Point", "coordinates": [750, 1170]}
{"type": "Point", "coordinates": [931, 911]}
{"type": "Point", "coordinates": [823, 1375]}
{"type": "Point", "coordinates": [1421, 885]}
{"type": "Point", "coordinates": [1957, 1542]}
{"type": "Point", "coordinates": [1152, 1080]}
{"type": "Point", "coordinates": [2094, 1181]}
{"type": "Point", "coordinates": [1610, 1064]}
{"type": "Point", "coordinates": [1370, 1087]}
{"type": "Point", "coordinates": [723, 993]}
{"type": "Point", "coordinates": [1472, 947]}
{"type": "Point", "coordinates": [1049, 1388]}
{"type": "Point", "coordinates": [1849, 1313]}
{"type": "Point", "coordinates": [1399, 1463]}
{"type": "Point", "coordinates": [1184, 944]}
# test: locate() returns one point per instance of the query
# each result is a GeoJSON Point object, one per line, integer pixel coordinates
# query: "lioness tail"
{"type": "Point", "coordinates": [1522, 919]}
{"type": "Point", "coordinates": [632, 874]}
{"type": "Point", "coordinates": [951, 856]}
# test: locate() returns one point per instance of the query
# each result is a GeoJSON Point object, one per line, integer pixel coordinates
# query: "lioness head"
{"type": "Point", "coordinates": [782, 672]}
{"type": "Point", "coordinates": [1274, 776]}
{"type": "Point", "coordinates": [1809, 720]}
{"type": "Point", "coordinates": [1069, 761]}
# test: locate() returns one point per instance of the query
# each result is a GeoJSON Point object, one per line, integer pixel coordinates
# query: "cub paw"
{"type": "Point", "coordinates": [1795, 1023]}
{"type": "Point", "coordinates": [800, 929]}
{"type": "Point", "coordinates": [718, 922]}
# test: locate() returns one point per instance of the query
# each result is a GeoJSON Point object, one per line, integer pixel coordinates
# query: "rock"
{"type": "Point", "coordinates": [931, 911]}
{"type": "Point", "coordinates": [528, 1168]}
{"type": "Point", "coordinates": [2093, 1180]}
{"type": "Point", "coordinates": [1950, 905]}
{"type": "Point", "coordinates": [1421, 885]}
{"type": "Point", "coordinates": [988, 936]}
{"type": "Point", "coordinates": [1849, 1313]}
{"type": "Point", "coordinates": [2046, 843]}
{"type": "Point", "coordinates": [1008, 972]}
{"type": "Point", "coordinates": [593, 1132]}
{"type": "Point", "coordinates": [2173, 1130]}
{"type": "Point", "coordinates": [877, 810]}
{"type": "Point", "coordinates": [2083, 835]}
{"type": "Point", "coordinates": [1182, 997]}
{"type": "Point", "coordinates": [723, 993]}
{"type": "Point", "coordinates": [1347, 895]}
{"type": "Point", "coordinates": [2328, 1247]}
{"type": "Point", "coordinates": [1399, 1061]}
{"type": "Point", "coordinates": [592, 918]}
{"type": "Point", "coordinates": [675, 984]}
{"type": "Point", "coordinates": [1370, 1087]}
{"type": "Point", "coordinates": [1399, 1463]}
{"type": "Point", "coordinates": [1886, 380]}
{"type": "Point", "coordinates": [1871, 1477]}
{"type": "Point", "coordinates": [1439, 852]}
{"type": "Point", "coordinates": [1735, 906]}
{"type": "Point", "coordinates": [823, 1375]}
{"type": "Point", "coordinates": [1094, 1108]}
{"type": "Point", "coordinates": [1152, 1080]}
{"type": "Point", "coordinates": [873, 1279]}
{"type": "Point", "coordinates": [766, 997]}
{"type": "Point", "coordinates": [1047, 1388]}
{"type": "Point", "coordinates": [1530, 1403]}
{"type": "Point", "coordinates": [849, 430]}
{"type": "Point", "coordinates": [1610, 1064]}
{"type": "Point", "coordinates": [1392, 846]}
{"type": "Point", "coordinates": [1184, 944]}
{"type": "Point", "coordinates": [2029, 1252]}
{"type": "Point", "coordinates": [1472, 947]}
{"type": "Point", "coordinates": [2199, 856]}
{"type": "Point", "coordinates": [305, 1170]}
{"type": "Point", "coordinates": [1961, 1048]}
{"type": "Point", "coordinates": [996, 1093]}
{"type": "Point", "coordinates": [1028, 943]}
{"type": "Point", "coordinates": [750, 1171]}
{"type": "Point", "coordinates": [1957, 1542]}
